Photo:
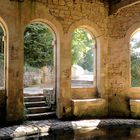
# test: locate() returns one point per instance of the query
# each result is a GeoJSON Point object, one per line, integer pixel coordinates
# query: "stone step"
{"type": "Point", "coordinates": [34, 98]}
{"type": "Point", "coordinates": [32, 94]}
{"type": "Point", "coordinates": [35, 110]}
{"type": "Point", "coordinates": [35, 104]}
{"type": "Point", "coordinates": [86, 82]}
{"type": "Point", "coordinates": [41, 116]}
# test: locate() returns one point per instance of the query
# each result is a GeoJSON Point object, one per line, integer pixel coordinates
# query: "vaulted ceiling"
{"type": "Point", "coordinates": [114, 5]}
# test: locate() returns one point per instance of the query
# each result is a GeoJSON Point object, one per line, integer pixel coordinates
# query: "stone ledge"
{"type": "Point", "coordinates": [87, 100]}
{"type": "Point", "coordinates": [134, 101]}
{"type": "Point", "coordinates": [53, 125]}
{"type": "Point", "coordinates": [89, 107]}
{"type": "Point", "coordinates": [135, 108]}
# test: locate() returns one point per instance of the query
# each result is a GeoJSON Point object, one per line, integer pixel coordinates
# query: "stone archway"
{"type": "Point", "coordinates": [3, 68]}
{"type": "Point", "coordinates": [128, 36]}
{"type": "Point", "coordinates": [5, 47]}
{"type": "Point", "coordinates": [40, 55]}
{"type": "Point", "coordinates": [49, 83]}
{"type": "Point", "coordinates": [94, 30]}
{"type": "Point", "coordinates": [83, 71]}
{"type": "Point", "coordinates": [69, 93]}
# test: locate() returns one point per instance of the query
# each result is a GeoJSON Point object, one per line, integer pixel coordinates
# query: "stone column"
{"type": "Point", "coordinates": [14, 86]}
{"type": "Point", "coordinates": [65, 79]}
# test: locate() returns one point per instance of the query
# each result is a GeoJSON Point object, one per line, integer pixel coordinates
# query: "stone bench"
{"type": "Point", "coordinates": [135, 108]}
{"type": "Point", "coordinates": [89, 107]}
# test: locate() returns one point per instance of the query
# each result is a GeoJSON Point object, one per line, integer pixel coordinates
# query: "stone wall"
{"type": "Point", "coordinates": [120, 90]}
{"type": "Point", "coordinates": [68, 11]}
{"type": "Point", "coordinates": [63, 16]}
{"type": "Point", "coordinates": [68, 15]}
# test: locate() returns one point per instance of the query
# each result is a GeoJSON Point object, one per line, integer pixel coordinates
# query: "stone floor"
{"type": "Point", "coordinates": [46, 126]}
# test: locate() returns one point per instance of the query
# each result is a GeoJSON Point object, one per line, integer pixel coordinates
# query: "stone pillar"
{"type": "Point", "coordinates": [14, 81]}
{"type": "Point", "coordinates": [65, 79]}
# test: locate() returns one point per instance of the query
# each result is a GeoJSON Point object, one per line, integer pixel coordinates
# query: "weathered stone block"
{"type": "Point", "coordinates": [89, 107]}
{"type": "Point", "coordinates": [135, 108]}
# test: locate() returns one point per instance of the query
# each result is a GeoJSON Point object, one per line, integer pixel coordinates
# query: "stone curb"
{"type": "Point", "coordinates": [53, 125]}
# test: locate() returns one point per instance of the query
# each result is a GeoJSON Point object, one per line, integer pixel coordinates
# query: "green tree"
{"type": "Point", "coordinates": [1, 57]}
{"type": "Point", "coordinates": [82, 49]}
{"type": "Point", "coordinates": [38, 49]}
{"type": "Point", "coordinates": [1, 46]}
{"type": "Point", "coordinates": [88, 60]}
{"type": "Point", "coordinates": [135, 63]}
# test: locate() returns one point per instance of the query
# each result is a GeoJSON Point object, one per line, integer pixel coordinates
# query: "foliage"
{"type": "Point", "coordinates": [1, 59]}
{"type": "Point", "coordinates": [82, 49]}
{"type": "Point", "coordinates": [1, 32]}
{"type": "Point", "coordinates": [29, 68]}
{"type": "Point", "coordinates": [1, 46]}
{"type": "Point", "coordinates": [38, 50]}
{"type": "Point", "coordinates": [87, 61]}
{"type": "Point", "coordinates": [135, 63]}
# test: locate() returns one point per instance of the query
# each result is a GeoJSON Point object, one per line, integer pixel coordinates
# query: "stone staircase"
{"type": "Point", "coordinates": [37, 108]}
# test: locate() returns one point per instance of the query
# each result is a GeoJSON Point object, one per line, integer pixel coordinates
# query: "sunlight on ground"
{"type": "Point", "coordinates": [86, 124]}
{"type": "Point", "coordinates": [30, 130]}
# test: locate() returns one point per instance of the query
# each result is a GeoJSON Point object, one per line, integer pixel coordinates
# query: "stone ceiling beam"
{"type": "Point", "coordinates": [114, 8]}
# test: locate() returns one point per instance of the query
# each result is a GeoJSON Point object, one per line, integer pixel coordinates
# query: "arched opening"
{"type": "Point", "coordinates": [135, 58]}
{"type": "Point", "coordinates": [39, 69]}
{"type": "Point", "coordinates": [83, 59]}
{"type": "Point", "coordinates": [2, 57]}
{"type": "Point", "coordinates": [3, 68]}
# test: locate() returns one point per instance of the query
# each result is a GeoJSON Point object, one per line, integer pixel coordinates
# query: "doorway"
{"type": "Point", "coordinates": [39, 70]}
